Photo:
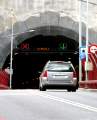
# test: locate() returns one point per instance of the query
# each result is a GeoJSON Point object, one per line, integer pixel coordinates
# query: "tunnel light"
{"type": "Point", "coordinates": [76, 52]}
{"type": "Point", "coordinates": [69, 58]}
{"type": "Point", "coordinates": [31, 30]}
{"type": "Point", "coordinates": [15, 53]}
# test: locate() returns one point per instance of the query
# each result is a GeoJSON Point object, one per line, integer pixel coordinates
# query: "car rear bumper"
{"type": "Point", "coordinates": [59, 83]}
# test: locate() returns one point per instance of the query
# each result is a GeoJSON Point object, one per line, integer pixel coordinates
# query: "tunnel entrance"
{"type": "Point", "coordinates": [31, 55]}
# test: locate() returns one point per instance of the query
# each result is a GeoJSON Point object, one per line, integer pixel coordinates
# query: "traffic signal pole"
{"type": "Point", "coordinates": [87, 39]}
{"type": "Point", "coordinates": [11, 56]}
{"type": "Point", "coordinates": [80, 39]}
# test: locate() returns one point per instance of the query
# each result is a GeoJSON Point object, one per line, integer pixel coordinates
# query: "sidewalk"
{"type": "Point", "coordinates": [90, 84]}
{"type": "Point", "coordinates": [88, 89]}
{"type": "Point", "coordinates": [3, 87]}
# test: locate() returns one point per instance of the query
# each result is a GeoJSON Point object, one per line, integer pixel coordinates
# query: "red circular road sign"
{"type": "Point", "coordinates": [93, 48]}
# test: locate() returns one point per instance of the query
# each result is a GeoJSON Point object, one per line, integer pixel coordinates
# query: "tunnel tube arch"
{"type": "Point", "coordinates": [43, 30]}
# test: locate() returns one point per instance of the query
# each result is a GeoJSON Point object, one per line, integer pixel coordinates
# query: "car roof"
{"type": "Point", "coordinates": [59, 62]}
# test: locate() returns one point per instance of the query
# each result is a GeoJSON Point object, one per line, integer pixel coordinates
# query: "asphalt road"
{"type": "Point", "coordinates": [48, 105]}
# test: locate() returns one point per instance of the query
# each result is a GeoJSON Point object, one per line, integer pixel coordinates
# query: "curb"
{"type": "Point", "coordinates": [87, 89]}
{"type": "Point", "coordinates": [90, 84]}
{"type": "Point", "coordinates": [3, 87]}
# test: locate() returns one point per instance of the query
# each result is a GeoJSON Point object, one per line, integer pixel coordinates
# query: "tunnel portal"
{"type": "Point", "coordinates": [31, 55]}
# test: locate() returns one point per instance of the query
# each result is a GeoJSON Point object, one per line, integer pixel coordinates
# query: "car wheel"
{"type": "Point", "coordinates": [42, 88]}
{"type": "Point", "coordinates": [74, 90]}
{"type": "Point", "coordinates": [69, 90]}
{"type": "Point", "coordinates": [77, 86]}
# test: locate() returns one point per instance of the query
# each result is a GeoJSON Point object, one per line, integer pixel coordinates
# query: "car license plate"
{"type": "Point", "coordinates": [60, 76]}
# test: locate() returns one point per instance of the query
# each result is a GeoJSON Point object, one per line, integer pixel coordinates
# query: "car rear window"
{"type": "Point", "coordinates": [60, 67]}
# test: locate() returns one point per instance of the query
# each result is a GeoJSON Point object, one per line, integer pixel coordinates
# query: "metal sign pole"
{"type": "Point", "coordinates": [87, 38]}
{"type": "Point", "coordinates": [11, 56]}
{"type": "Point", "coordinates": [80, 39]}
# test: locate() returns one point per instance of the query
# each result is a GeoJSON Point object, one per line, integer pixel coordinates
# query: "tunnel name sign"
{"type": "Point", "coordinates": [93, 48]}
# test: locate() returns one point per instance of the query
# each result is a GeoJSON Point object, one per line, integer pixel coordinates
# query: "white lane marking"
{"type": "Point", "coordinates": [77, 104]}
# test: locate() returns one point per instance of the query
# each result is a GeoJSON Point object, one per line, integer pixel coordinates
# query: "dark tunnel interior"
{"type": "Point", "coordinates": [31, 55]}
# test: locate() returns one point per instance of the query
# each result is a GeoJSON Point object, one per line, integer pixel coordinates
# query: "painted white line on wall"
{"type": "Point", "coordinates": [76, 104]}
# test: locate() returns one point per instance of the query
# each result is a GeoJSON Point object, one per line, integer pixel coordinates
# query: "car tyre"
{"type": "Point", "coordinates": [74, 90]}
{"type": "Point", "coordinates": [69, 90]}
{"type": "Point", "coordinates": [42, 88]}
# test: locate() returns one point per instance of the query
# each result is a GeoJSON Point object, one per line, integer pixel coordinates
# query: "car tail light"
{"type": "Point", "coordinates": [74, 75]}
{"type": "Point", "coordinates": [44, 74]}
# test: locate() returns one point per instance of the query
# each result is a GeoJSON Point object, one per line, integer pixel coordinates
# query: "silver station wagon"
{"type": "Point", "coordinates": [58, 74]}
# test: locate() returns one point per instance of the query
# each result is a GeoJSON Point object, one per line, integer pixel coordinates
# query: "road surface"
{"type": "Point", "coordinates": [48, 105]}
